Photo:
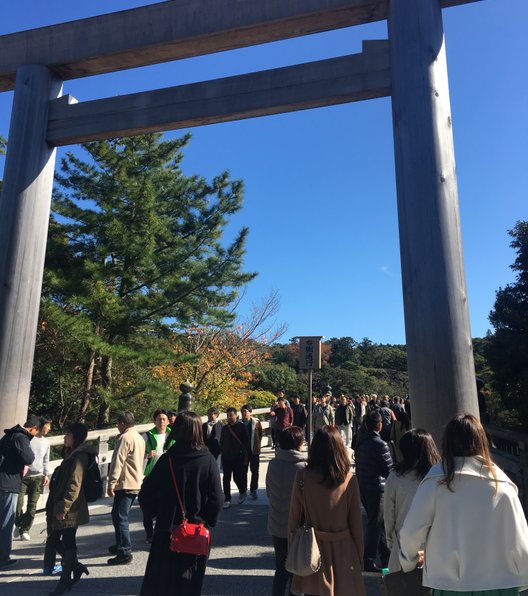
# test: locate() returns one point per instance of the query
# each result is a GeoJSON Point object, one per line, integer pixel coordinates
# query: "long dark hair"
{"type": "Point", "coordinates": [464, 436]}
{"type": "Point", "coordinates": [328, 455]}
{"type": "Point", "coordinates": [79, 432]}
{"type": "Point", "coordinates": [419, 453]}
{"type": "Point", "coordinates": [187, 428]}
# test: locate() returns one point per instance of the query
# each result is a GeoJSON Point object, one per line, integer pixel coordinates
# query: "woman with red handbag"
{"type": "Point", "coordinates": [184, 493]}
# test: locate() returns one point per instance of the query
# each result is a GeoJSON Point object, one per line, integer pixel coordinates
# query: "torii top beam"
{"type": "Point", "coordinates": [172, 30]}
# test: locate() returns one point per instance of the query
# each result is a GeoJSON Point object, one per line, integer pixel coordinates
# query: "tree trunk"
{"type": "Point", "coordinates": [88, 385]}
{"type": "Point", "coordinates": [103, 417]}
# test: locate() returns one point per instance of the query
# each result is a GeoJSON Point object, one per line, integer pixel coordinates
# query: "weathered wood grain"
{"type": "Point", "coordinates": [439, 350]}
{"type": "Point", "coordinates": [176, 29]}
{"type": "Point", "coordinates": [315, 84]}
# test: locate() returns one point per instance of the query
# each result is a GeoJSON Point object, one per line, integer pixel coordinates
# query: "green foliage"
{"type": "Point", "coordinates": [507, 349]}
{"type": "Point", "coordinates": [261, 399]}
{"type": "Point", "coordinates": [272, 377]}
{"type": "Point", "coordinates": [135, 251]}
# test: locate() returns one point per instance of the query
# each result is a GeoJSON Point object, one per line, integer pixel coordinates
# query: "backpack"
{"type": "Point", "coordinates": [93, 483]}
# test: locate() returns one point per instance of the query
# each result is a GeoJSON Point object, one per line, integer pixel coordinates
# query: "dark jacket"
{"type": "Point", "coordinates": [212, 440]}
{"type": "Point", "coordinates": [344, 415]}
{"type": "Point", "coordinates": [233, 449]}
{"type": "Point", "coordinates": [198, 481]}
{"type": "Point", "coordinates": [66, 490]}
{"type": "Point", "coordinates": [373, 462]}
{"type": "Point", "coordinates": [300, 415]}
{"type": "Point", "coordinates": [17, 453]}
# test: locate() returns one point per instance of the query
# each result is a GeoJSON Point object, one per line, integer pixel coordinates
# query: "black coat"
{"type": "Point", "coordinates": [198, 481]}
{"type": "Point", "coordinates": [17, 453]}
{"type": "Point", "coordinates": [373, 462]}
{"type": "Point", "coordinates": [234, 449]}
{"type": "Point", "coordinates": [212, 441]}
{"type": "Point", "coordinates": [300, 415]}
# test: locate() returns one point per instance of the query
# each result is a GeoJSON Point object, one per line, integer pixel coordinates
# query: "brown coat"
{"type": "Point", "coordinates": [331, 511]}
{"type": "Point", "coordinates": [66, 493]}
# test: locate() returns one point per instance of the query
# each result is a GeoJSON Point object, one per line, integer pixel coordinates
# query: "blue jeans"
{"type": "Point", "coordinates": [122, 504]}
{"type": "Point", "coordinates": [8, 502]}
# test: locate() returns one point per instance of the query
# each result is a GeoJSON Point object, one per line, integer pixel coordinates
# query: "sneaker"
{"type": "Point", "coordinates": [8, 563]}
{"type": "Point", "coordinates": [56, 570]}
{"type": "Point", "coordinates": [241, 498]}
{"type": "Point", "coordinates": [25, 536]}
{"type": "Point", "coordinates": [113, 549]}
{"type": "Point", "coordinates": [120, 560]}
{"type": "Point", "coordinates": [227, 504]}
{"type": "Point", "coordinates": [253, 495]}
{"type": "Point", "coordinates": [16, 533]}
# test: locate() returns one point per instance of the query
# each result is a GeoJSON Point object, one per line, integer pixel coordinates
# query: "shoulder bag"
{"type": "Point", "coordinates": [192, 539]}
{"type": "Point", "coordinates": [303, 557]}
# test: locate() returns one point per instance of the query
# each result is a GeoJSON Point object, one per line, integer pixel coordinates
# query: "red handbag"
{"type": "Point", "coordinates": [192, 539]}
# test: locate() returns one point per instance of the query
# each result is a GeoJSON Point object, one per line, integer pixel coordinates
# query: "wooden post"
{"type": "Point", "coordinates": [439, 348]}
{"type": "Point", "coordinates": [24, 215]}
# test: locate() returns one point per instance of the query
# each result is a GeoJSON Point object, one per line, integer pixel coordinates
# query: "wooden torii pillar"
{"type": "Point", "coordinates": [436, 316]}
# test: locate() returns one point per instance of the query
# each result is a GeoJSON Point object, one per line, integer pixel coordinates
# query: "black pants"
{"type": "Point", "coordinates": [59, 541]}
{"type": "Point", "coordinates": [282, 578]}
{"type": "Point", "coordinates": [375, 536]}
{"type": "Point", "coordinates": [254, 463]}
{"type": "Point", "coordinates": [237, 469]}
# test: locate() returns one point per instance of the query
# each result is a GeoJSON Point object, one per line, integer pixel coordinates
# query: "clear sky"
{"type": "Point", "coordinates": [320, 197]}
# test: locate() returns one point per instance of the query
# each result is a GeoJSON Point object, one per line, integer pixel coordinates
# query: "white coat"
{"type": "Point", "coordinates": [397, 499]}
{"type": "Point", "coordinates": [474, 539]}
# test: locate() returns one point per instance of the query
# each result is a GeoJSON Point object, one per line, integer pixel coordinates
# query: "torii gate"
{"type": "Point", "coordinates": [410, 67]}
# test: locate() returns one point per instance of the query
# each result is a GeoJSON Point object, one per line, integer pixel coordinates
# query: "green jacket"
{"type": "Point", "coordinates": [151, 444]}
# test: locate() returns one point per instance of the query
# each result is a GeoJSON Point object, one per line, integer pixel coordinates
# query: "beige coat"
{"type": "Point", "coordinates": [335, 514]}
{"type": "Point", "coordinates": [126, 468]}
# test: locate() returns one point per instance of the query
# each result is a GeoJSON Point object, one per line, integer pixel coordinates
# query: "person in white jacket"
{"type": "Point", "coordinates": [419, 454]}
{"type": "Point", "coordinates": [467, 518]}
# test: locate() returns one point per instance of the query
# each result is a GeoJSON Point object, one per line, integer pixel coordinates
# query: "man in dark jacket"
{"type": "Point", "coordinates": [300, 415]}
{"type": "Point", "coordinates": [15, 454]}
{"type": "Point", "coordinates": [234, 445]}
{"type": "Point", "coordinates": [373, 465]}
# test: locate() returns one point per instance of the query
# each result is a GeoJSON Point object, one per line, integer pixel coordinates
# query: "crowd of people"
{"type": "Point", "coordinates": [454, 513]}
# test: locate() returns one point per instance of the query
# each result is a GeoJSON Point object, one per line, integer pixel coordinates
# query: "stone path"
{"type": "Point", "coordinates": [242, 560]}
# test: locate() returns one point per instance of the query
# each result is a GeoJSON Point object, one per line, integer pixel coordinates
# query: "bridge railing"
{"type": "Point", "coordinates": [103, 439]}
{"type": "Point", "coordinates": [510, 452]}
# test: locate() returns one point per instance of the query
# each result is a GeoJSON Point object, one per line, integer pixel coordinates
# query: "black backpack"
{"type": "Point", "coordinates": [93, 483]}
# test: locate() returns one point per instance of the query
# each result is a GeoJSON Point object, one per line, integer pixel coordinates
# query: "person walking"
{"type": "Point", "coordinates": [344, 417]}
{"type": "Point", "coordinates": [234, 445]}
{"type": "Point", "coordinates": [323, 413]}
{"type": "Point", "coordinates": [373, 465]}
{"type": "Point", "coordinates": [66, 507]}
{"type": "Point", "coordinates": [35, 479]}
{"type": "Point", "coordinates": [289, 458]}
{"type": "Point", "coordinates": [198, 481]}
{"type": "Point", "coordinates": [300, 414]}
{"type": "Point", "coordinates": [155, 440]}
{"type": "Point", "coordinates": [254, 430]}
{"type": "Point", "coordinates": [212, 431]}
{"type": "Point", "coordinates": [326, 496]}
{"type": "Point", "coordinates": [399, 427]}
{"type": "Point", "coordinates": [125, 476]}
{"type": "Point", "coordinates": [15, 454]}
{"type": "Point", "coordinates": [468, 515]}
{"type": "Point", "coordinates": [418, 454]}
{"type": "Point", "coordinates": [282, 415]}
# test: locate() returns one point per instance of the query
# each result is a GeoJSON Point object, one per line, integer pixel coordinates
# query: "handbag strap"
{"type": "Point", "coordinates": [304, 508]}
{"type": "Point", "coordinates": [176, 487]}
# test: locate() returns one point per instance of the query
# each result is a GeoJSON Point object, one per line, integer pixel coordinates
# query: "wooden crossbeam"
{"type": "Point", "coordinates": [176, 29]}
{"type": "Point", "coordinates": [314, 84]}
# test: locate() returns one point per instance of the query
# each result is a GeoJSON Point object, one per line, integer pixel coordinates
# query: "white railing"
{"type": "Point", "coordinates": [101, 439]}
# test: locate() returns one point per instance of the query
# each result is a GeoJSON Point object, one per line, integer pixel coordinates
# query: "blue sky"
{"type": "Point", "coordinates": [320, 197]}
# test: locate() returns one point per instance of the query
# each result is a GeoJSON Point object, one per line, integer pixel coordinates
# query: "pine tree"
{"type": "Point", "coordinates": [507, 349]}
{"type": "Point", "coordinates": [135, 249]}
